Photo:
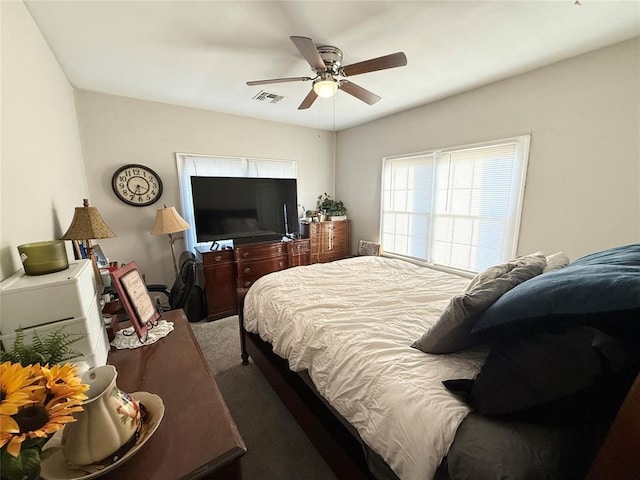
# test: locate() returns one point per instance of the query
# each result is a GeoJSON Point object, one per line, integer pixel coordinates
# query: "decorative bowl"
{"type": "Point", "coordinates": [40, 258]}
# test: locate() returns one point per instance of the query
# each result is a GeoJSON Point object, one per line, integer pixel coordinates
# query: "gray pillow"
{"type": "Point", "coordinates": [496, 271]}
{"type": "Point", "coordinates": [452, 331]}
{"type": "Point", "coordinates": [556, 261]}
{"type": "Point", "coordinates": [489, 274]}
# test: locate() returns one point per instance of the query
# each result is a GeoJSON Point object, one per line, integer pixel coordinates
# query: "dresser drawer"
{"type": "Point", "coordinates": [217, 257]}
{"type": "Point", "coordinates": [251, 252]}
{"type": "Point", "coordinates": [299, 260]}
{"type": "Point", "coordinates": [298, 246]}
{"type": "Point", "coordinates": [340, 243]}
{"type": "Point", "coordinates": [339, 228]}
{"type": "Point", "coordinates": [314, 228]}
{"type": "Point", "coordinates": [249, 271]}
{"type": "Point", "coordinates": [329, 257]}
{"type": "Point", "coordinates": [333, 242]}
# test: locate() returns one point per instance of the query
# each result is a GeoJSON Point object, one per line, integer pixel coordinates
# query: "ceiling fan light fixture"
{"type": "Point", "coordinates": [325, 88]}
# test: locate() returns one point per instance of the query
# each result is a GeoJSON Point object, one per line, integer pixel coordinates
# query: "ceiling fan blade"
{"type": "Point", "coordinates": [360, 93]}
{"type": "Point", "coordinates": [308, 100]}
{"type": "Point", "coordinates": [398, 59]}
{"type": "Point", "coordinates": [279, 80]}
{"type": "Point", "coordinates": [309, 52]}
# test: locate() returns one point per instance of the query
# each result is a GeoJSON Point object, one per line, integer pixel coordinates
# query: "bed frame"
{"type": "Point", "coordinates": [344, 452]}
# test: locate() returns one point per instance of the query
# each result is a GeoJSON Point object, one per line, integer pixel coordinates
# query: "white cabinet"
{"type": "Point", "coordinates": [44, 303]}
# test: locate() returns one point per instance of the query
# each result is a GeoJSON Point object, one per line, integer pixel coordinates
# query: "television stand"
{"type": "Point", "coordinates": [229, 273]}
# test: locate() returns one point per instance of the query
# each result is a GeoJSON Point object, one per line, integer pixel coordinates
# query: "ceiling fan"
{"type": "Point", "coordinates": [326, 63]}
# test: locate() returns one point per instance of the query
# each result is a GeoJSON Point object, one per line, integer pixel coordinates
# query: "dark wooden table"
{"type": "Point", "coordinates": [197, 437]}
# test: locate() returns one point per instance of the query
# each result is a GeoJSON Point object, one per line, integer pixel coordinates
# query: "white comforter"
{"type": "Point", "coordinates": [351, 324]}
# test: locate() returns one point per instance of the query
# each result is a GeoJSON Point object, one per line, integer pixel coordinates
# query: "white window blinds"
{"type": "Point", "coordinates": [456, 207]}
{"type": "Point", "coordinates": [212, 166]}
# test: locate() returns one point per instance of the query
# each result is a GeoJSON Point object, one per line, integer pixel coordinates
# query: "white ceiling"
{"type": "Point", "coordinates": [200, 54]}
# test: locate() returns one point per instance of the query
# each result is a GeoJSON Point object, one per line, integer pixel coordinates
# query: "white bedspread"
{"type": "Point", "coordinates": [351, 325]}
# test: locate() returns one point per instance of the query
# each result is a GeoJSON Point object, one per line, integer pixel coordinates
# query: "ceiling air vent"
{"type": "Point", "coordinates": [263, 96]}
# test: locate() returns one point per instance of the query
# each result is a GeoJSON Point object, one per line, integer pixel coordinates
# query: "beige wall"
{"type": "Point", "coordinates": [583, 185]}
{"type": "Point", "coordinates": [583, 182]}
{"type": "Point", "coordinates": [41, 170]}
{"type": "Point", "coordinates": [117, 130]}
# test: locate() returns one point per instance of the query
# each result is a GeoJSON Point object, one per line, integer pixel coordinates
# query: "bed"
{"type": "Point", "coordinates": [398, 363]}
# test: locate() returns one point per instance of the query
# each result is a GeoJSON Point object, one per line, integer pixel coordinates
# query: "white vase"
{"type": "Point", "coordinates": [109, 421]}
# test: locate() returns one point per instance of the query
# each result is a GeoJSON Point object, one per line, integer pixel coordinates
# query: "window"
{"type": "Point", "coordinates": [212, 166]}
{"type": "Point", "coordinates": [456, 207]}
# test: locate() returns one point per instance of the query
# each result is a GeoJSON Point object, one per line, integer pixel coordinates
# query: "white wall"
{"type": "Point", "coordinates": [117, 130]}
{"type": "Point", "coordinates": [42, 173]}
{"type": "Point", "coordinates": [583, 182]}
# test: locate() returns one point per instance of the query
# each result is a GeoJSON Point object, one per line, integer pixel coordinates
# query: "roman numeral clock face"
{"type": "Point", "coordinates": [136, 185]}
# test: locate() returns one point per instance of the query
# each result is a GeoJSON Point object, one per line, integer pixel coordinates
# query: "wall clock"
{"type": "Point", "coordinates": [136, 185]}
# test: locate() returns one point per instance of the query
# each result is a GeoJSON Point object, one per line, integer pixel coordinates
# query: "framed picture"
{"type": "Point", "coordinates": [135, 298]}
{"type": "Point", "coordinates": [101, 260]}
{"type": "Point", "coordinates": [368, 248]}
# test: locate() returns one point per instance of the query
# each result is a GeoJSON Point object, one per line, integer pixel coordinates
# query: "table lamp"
{"type": "Point", "coordinates": [87, 225]}
{"type": "Point", "coordinates": [168, 221]}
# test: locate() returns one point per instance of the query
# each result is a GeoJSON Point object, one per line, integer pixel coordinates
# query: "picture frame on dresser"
{"type": "Point", "coordinates": [135, 299]}
{"type": "Point", "coordinates": [101, 260]}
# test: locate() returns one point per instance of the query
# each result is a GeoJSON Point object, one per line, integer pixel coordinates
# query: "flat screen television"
{"type": "Point", "coordinates": [244, 210]}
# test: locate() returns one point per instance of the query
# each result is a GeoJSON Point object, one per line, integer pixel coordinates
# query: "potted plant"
{"type": "Point", "coordinates": [54, 348]}
{"type": "Point", "coordinates": [39, 397]}
{"type": "Point", "coordinates": [335, 209]}
{"type": "Point", "coordinates": [308, 216]}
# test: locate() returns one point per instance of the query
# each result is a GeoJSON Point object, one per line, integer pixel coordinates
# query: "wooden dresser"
{"type": "Point", "coordinates": [197, 437]}
{"type": "Point", "coordinates": [219, 283]}
{"type": "Point", "coordinates": [229, 273]}
{"type": "Point", "coordinates": [329, 241]}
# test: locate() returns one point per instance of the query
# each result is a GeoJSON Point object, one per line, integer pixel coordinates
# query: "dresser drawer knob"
{"type": "Point", "coordinates": [218, 258]}
{"type": "Point", "coordinates": [247, 269]}
{"type": "Point", "coordinates": [280, 264]}
{"type": "Point", "coordinates": [247, 283]}
{"type": "Point", "coordinates": [245, 254]}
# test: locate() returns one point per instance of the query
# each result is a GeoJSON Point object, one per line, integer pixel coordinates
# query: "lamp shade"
{"type": "Point", "coordinates": [325, 88]}
{"type": "Point", "coordinates": [87, 224]}
{"type": "Point", "coordinates": [168, 220]}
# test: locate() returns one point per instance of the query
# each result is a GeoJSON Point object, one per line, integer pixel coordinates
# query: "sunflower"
{"type": "Point", "coordinates": [17, 384]}
{"type": "Point", "coordinates": [63, 384]}
{"type": "Point", "coordinates": [48, 407]}
{"type": "Point", "coordinates": [16, 389]}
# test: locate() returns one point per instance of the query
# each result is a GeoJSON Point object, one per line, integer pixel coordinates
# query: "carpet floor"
{"type": "Point", "coordinates": [277, 448]}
